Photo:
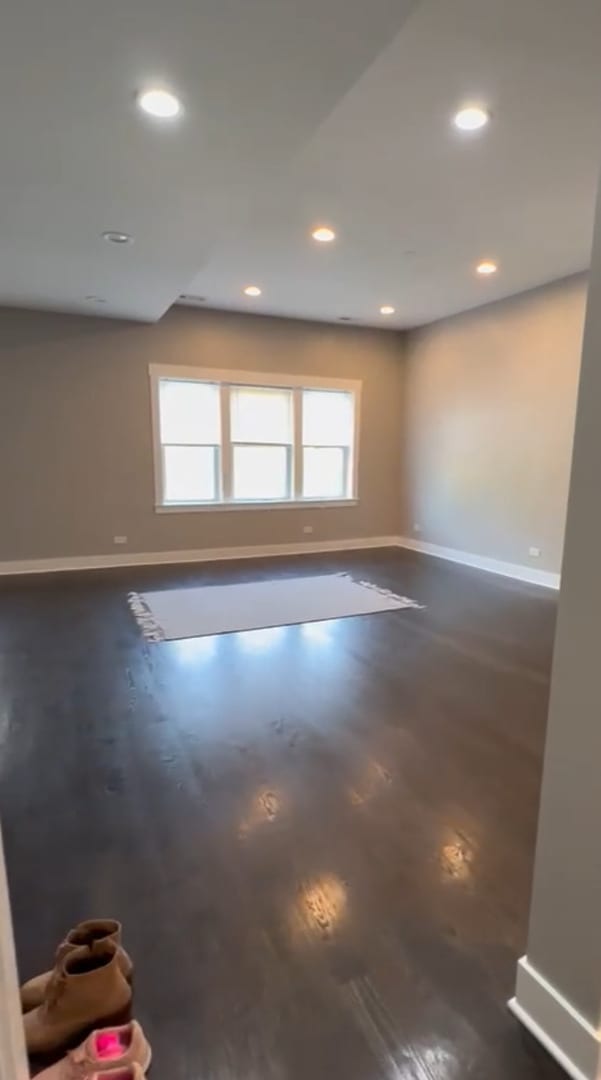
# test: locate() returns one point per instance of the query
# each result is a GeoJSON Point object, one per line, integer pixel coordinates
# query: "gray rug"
{"type": "Point", "coordinates": [222, 609]}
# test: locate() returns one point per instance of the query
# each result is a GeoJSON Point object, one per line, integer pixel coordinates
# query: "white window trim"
{"type": "Point", "coordinates": [249, 378]}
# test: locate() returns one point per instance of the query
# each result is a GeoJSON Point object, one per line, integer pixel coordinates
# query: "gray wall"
{"type": "Point", "coordinates": [490, 400]}
{"type": "Point", "coordinates": [75, 434]}
{"type": "Point", "coordinates": [564, 942]}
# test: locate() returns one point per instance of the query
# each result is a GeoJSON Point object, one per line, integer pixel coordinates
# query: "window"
{"type": "Point", "coordinates": [190, 420]}
{"type": "Point", "coordinates": [235, 439]}
{"type": "Point", "coordinates": [262, 442]}
{"type": "Point", "coordinates": [327, 443]}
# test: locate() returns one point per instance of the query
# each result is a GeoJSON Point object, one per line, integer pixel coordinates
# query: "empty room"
{"type": "Point", "coordinates": [300, 327]}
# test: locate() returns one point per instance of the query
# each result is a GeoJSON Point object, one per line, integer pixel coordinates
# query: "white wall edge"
{"type": "Point", "coordinates": [557, 1025]}
{"type": "Point", "coordinates": [481, 562]}
{"type": "Point", "coordinates": [13, 1059]}
{"type": "Point", "coordinates": [159, 558]}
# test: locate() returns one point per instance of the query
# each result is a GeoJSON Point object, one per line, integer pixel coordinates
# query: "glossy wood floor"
{"type": "Point", "coordinates": [319, 838]}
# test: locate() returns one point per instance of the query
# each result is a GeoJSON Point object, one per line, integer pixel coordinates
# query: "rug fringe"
{"type": "Point", "coordinates": [149, 626]}
{"type": "Point", "coordinates": [406, 601]}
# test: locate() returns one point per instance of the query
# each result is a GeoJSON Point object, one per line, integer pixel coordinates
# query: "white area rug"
{"type": "Point", "coordinates": [223, 609]}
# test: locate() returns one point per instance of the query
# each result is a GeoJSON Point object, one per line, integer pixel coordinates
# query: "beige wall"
{"type": "Point", "coordinates": [490, 400]}
{"type": "Point", "coordinates": [564, 943]}
{"type": "Point", "coordinates": [75, 434]}
{"type": "Point", "coordinates": [470, 437]}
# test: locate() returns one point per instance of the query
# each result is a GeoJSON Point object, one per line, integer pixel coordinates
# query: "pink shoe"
{"type": "Point", "coordinates": [112, 1053]}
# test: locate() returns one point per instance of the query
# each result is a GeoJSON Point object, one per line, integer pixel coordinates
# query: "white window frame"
{"type": "Point", "coordinates": [227, 378]}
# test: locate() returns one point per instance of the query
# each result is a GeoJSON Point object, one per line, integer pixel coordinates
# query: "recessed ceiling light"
{"type": "Point", "coordinates": [386, 309]}
{"type": "Point", "coordinates": [486, 267]}
{"type": "Point", "coordinates": [161, 104]}
{"type": "Point", "coordinates": [323, 234]}
{"type": "Point", "coordinates": [471, 118]}
{"type": "Point", "coordinates": [252, 290]}
{"type": "Point", "coordinates": [117, 238]}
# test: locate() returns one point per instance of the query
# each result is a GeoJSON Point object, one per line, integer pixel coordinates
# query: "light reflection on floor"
{"type": "Point", "coordinates": [318, 633]}
{"type": "Point", "coordinates": [456, 856]}
{"type": "Point", "coordinates": [438, 1060]}
{"type": "Point", "coordinates": [190, 650]}
{"type": "Point", "coordinates": [265, 806]}
{"type": "Point", "coordinates": [373, 780]}
{"type": "Point", "coordinates": [260, 640]}
{"type": "Point", "coordinates": [320, 905]}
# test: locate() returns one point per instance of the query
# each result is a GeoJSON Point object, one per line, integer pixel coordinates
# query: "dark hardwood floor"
{"type": "Point", "coordinates": [319, 838]}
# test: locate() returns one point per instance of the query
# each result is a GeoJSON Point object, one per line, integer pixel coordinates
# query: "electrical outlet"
{"type": "Point", "coordinates": [534, 552]}
{"type": "Point", "coordinates": [416, 527]}
{"type": "Point", "coordinates": [119, 539]}
{"type": "Point", "coordinates": [307, 528]}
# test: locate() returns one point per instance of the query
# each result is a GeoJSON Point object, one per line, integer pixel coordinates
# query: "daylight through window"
{"type": "Point", "coordinates": [248, 440]}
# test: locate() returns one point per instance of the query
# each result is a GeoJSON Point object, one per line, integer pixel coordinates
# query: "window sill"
{"type": "Point", "coordinates": [298, 504]}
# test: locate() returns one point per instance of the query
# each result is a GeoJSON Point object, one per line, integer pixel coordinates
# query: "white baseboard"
{"type": "Point", "coordinates": [159, 558]}
{"type": "Point", "coordinates": [567, 1036]}
{"type": "Point", "coordinates": [482, 562]}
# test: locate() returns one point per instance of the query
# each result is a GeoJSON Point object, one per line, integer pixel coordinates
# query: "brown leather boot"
{"type": "Point", "coordinates": [85, 933]}
{"type": "Point", "coordinates": [87, 989]}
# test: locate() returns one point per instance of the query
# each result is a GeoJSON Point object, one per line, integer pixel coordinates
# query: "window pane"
{"type": "Point", "coordinates": [190, 411]}
{"type": "Point", "coordinates": [261, 414]}
{"type": "Point", "coordinates": [323, 472]}
{"type": "Point", "coordinates": [328, 418]}
{"type": "Point", "coordinates": [261, 472]}
{"type": "Point", "coordinates": [189, 473]}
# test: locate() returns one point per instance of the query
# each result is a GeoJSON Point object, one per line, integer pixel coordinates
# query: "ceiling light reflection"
{"type": "Point", "coordinates": [456, 857]}
{"type": "Point", "coordinates": [265, 806]}
{"type": "Point", "coordinates": [321, 904]}
{"type": "Point", "coordinates": [373, 779]}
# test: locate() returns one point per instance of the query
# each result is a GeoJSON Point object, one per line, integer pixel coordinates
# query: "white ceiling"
{"type": "Point", "coordinates": [297, 112]}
